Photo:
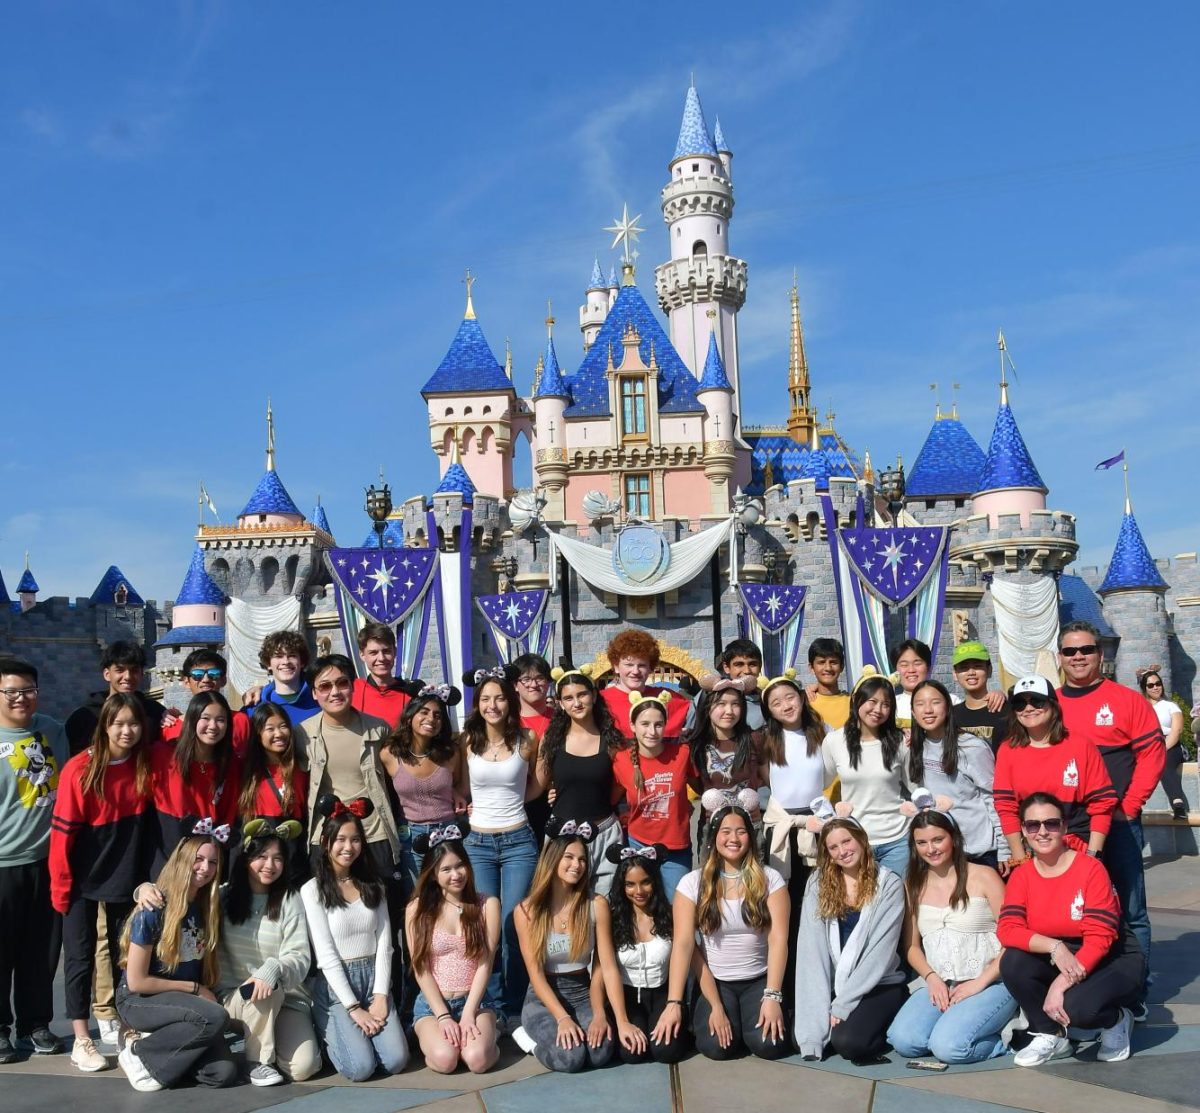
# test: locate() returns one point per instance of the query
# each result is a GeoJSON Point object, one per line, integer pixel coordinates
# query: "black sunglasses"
{"type": "Point", "coordinates": [1086, 650]}
{"type": "Point", "coordinates": [1020, 703]}
{"type": "Point", "coordinates": [1033, 826]}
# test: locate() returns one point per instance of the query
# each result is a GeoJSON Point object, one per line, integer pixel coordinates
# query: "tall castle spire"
{"type": "Point", "coordinates": [801, 419]}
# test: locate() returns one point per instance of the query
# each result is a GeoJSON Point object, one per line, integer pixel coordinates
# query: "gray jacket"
{"type": "Point", "coordinates": [832, 981]}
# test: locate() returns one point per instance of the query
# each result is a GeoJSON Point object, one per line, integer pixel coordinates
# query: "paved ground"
{"type": "Point", "coordinates": [1161, 1076]}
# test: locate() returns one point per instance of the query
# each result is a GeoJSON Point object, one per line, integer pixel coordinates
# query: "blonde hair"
{"type": "Point", "coordinates": [541, 892]}
{"type": "Point", "coordinates": [755, 911]}
{"type": "Point", "coordinates": [173, 881]}
{"type": "Point", "coordinates": [831, 888]}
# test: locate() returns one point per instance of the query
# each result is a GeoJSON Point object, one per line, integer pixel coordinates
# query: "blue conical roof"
{"type": "Point", "coordinates": [393, 536]}
{"type": "Point", "coordinates": [1131, 566]}
{"type": "Point", "coordinates": [694, 138]}
{"type": "Point", "coordinates": [950, 462]}
{"type": "Point", "coordinates": [3, 591]}
{"type": "Point", "coordinates": [321, 520]}
{"type": "Point", "coordinates": [719, 138]}
{"type": "Point", "coordinates": [816, 466]}
{"type": "Point", "coordinates": [106, 589]}
{"type": "Point", "coordinates": [457, 481]}
{"type": "Point", "coordinates": [198, 585]}
{"type": "Point", "coordinates": [596, 282]}
{"type": "Point", "coordinates": [612, 277]}
{"type": "Point", "coordinates": [552, 384]}
{"type": "Point", "coordinates": [1008, 463]}
{"type": "Point", "coordinates": [714, 377]}
{"type": "Point", "coordinates": [468, 364]}
{"type": "Point", "coordinates": [270, 497]}
{"type": "Point", "coordinates": [28, 583]}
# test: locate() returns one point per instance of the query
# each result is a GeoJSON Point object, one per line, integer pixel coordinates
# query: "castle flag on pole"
{"type": "Point", "coordinates": [1104, 465]}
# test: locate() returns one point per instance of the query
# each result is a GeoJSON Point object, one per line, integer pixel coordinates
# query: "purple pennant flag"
{"type": "Point", "coordinates": [893, 564]}
{"type": "Point", "coordinates": [384, 583]}
{"type": "Point", "coordinates": [774, 605]}
{"type": "Point", "coordinates": [514, 613]}
{"type": "Point", "coordinates": [1104, 465]}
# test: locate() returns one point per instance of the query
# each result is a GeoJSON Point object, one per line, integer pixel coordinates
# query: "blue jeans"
{"type": "Point", "coordinates": [894, 855]}
{"type": "Point", "coordinates": [504, 862]}
{"type": "Point", "coordinates": [672, 868]}
{"type": "Point", "coordinates": [410, 860]}
{"type": "Point", "coordinates": [352, 1052]}
{"type": "Point", "coordinates": [967, 1032]}
{"type": "Point", "coordinates": [1122, 857]}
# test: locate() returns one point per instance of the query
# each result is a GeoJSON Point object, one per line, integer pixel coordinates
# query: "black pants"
{"type": "Point", "coordinates": [741, 1002]}
{"type": "Point", "coordinates": [1172, 775]}
{"type": "Point", "coordinates": [393, 882]}
{"type": "Point", "coordinates": [79, 950]}
{"type": "Point", "coordinates": [644, 1007]}
{"type": "Point", "coordinates": [1093, 1003]}
{"type": "Point", "coordinates": [797, 880]}
{"type": "Point", "coordinates": [30, 936]}
{"type": "Point", "coordinates": [863, 1034]}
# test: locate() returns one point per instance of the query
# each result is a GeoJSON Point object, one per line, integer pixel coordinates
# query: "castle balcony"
{"type": "Point", "coordinates": [1046, 544]}
{"type": "Point", "coordinates": [699, 194]}
{"type": "Point", "coordinates": [722, 278]}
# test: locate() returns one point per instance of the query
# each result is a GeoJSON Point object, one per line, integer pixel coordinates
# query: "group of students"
{"type": "Point", "coordinates": [540, 875]}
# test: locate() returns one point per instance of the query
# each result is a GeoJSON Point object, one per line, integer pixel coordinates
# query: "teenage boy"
{"type": "Point", "coordinates": [827, 660]}
{"type": "Point", "coordinates": [33, 749]}
{"type": "Point", "coordinates": [972, 669]}
{"type": "Point", "coordinates": [284, 655]}
{"type": "Point", "coordinates": [205, 670]}
{"type": "Point", "coordinates": [380, 693]}
{"type": "Point", "coordinates": [740, 657]}
{"type": "Point", "coordinates": [123, 666]}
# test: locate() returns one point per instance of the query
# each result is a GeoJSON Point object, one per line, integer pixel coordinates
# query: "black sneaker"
{"type": "Point", "coordinates": [1140, 1012]}
{"type": "Point", "coordinates": [45, 1042]}
{"type": "Point", "coordinates": [8, 1053]}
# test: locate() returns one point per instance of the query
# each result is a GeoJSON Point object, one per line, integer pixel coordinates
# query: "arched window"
{"type": "Point", "coordinates": [699, 250]}
{"type": "Point", "coordinates": [269, 572]}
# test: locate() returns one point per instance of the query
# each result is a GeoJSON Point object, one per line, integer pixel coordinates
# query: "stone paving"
{"type": "Point", "coordinates": [1161, 1076]}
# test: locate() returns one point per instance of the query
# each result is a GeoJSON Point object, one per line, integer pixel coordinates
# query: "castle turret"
{"type": "Point", "coordinates": [270, 504]}
{"type": "Point", "coordinates": [4, 599]}
{"type": "Point", "coordinates": [321, 520]}
{"type": "Point", "coordinates": [723, 150]}
{"type": "Point", "coordinates": [716, 396]}
{"type": "Point", "coordinates": [595, 306]}
{"type": "Point", "coordinates": [115, 590]}
{"type": "Point", "coordinates": [1135, 605]}
{"type": "Point", "coordinates": [613, 288]}
{"type": "Point", "coordinates": [550, 400]}
{"type": "Point", "coordinates": [27, 589]}
{"type": "Point", "coordinates": [697, 205]}
{"type": "Point", "coordinates": [198, 617]}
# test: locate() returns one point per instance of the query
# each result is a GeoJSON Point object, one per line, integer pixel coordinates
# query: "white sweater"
{"type": "Point", "coordinates": [340, 935]}
{"type": "Point", "coordinates": [875, 792]}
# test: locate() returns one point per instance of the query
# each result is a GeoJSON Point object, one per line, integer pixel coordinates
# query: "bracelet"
{"type": "Point", "coordinates": [351, 1008]}
{"type": "Point", "coordinates": [443, 1016]}
{"type": "Point", "coordinates": [775, 995]}
{"type": "Point", "coordinates": [195, 989]}
{"type": "Point", "coordinates": [675, 1001]}
{"type": "Point", "coordinates": [1053, 951]}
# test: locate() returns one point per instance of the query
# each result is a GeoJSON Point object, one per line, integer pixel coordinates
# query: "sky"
{"type": "Point", "coordinates": [206, 204]}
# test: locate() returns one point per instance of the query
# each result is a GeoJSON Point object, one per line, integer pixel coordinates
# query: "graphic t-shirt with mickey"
{"type": "Point", "coordinates": [146, 930]}
{"type": "Point", "coordinates": [31, 758]}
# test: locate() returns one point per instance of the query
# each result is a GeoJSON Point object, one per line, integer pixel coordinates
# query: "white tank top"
{"type": "Point", "coordinates": [646, 965]}
{"type": "Point", "coordinates": [795, 784]}
{"type": "Point", "coordinates": [497, 791]}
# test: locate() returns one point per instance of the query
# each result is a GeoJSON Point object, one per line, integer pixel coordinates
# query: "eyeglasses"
{"type": "Point", "coordinates": [1153, 683]}
{"type": "Point", "coordinates": [14, 694]}
{"type": "Point", "coordinates": [533, 680]}
{"type": "Point", "coordinates": [1085, 650]}
{"type": "Point", "coordinates": [211, 674]}
{"type": "Point", "coordinates": [1024, 703]}
{"type": "Point", "coordinates": [327, 686]}
{"type": "Point", "coordinates": [1051, 826]}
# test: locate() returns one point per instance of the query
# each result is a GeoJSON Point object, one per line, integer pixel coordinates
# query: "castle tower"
{"type": "Point", "coordinates": [716, 395]}
{"type": "Point", "coordinates": [802, 419]}
{"type": "Point", "coordinates": [697, 205]}
{"type": "Point", "coordinates": [1135, 605]}
{"type": "Point", "coordinates": [595, 306]}
{"type": "Point", "coordinates": [723, 148]}
{"type": "Point", "coordinates": [613, 287]}
{"type": "Point", "coordinates": [551, 396]}
{"type": "Point", "coordinates": [27, 589]}
{"type": "Point", "coordinates": [115, 590]}
{"type": "Point", "coordinates": [471, 405]}
{"type": "Point", "coordinates": [950, 463]}
{"type": "Point", "coordinates": [321, 520]}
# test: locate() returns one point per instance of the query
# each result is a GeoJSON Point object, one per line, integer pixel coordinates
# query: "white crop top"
{"type": "Point", "coordinates": [645, 965]}
{"type": "Point", "coordinates": [497, 791]}
{"type": "Point", "coordinates": [735, 951]}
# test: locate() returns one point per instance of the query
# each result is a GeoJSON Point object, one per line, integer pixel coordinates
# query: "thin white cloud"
{"type": "Point", "coordinates": [42, 122]}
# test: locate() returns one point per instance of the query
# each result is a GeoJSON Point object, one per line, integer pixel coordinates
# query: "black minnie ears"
{"type": "Point", "coordinates": [420, 689]}
{"type": "Point", "coordinates": [649, 857]}
{"type": "Point", "coordinates": [331, 807]}
{"type": "Point", "coordinates": [570, 829]}
{"type": "Point", "coordinates": [449, 832]}
{"type": "Point", "coordinates": [506, 674]}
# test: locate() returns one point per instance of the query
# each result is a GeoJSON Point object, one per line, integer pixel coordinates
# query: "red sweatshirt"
{"type": "Point", "coordinates": [1073, 771]}
{"type": "Point", "coordinates": [201, 797]}
{"type": "Point", "coordinates": [387, 703]}
{"type": "Point", "coordinates": [1077, 905]}
{"type": "Point", "coordinates": [268, 800]}
{"type": "Point", "coordinates": [662, 812]}
{"type": "Point", "coordinates": [618, 705]}
{"type": "Point", "coordinates": [239, 727]}
{"type": "Point", "coordinates": [1122, 725]}
{"type": "Point", "coordinates": [99, 848]}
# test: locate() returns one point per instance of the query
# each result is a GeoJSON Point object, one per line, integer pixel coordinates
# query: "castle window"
{"type": "Point", "coordinates": [699, 250]}
{"type": "Point", "coordinates": [637, 495]}
{"type": "Point", "coordinates": [695, 168]}
{"type": "Point", "coordinates": [633, 406]}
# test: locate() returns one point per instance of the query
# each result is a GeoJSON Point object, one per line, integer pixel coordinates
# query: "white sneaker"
{"type": "Point", "coordinates": [265, 1074]}
{"type": "Point", "coordinates": [523, 1040]}
{"type": "Point", "coordinates": [135, 1070]}
{"type": "Point", "coordinates": [1114, 1041]}
{"type": "Point", "coordinates": [109, 1031]}
{"type": "Point", "coordinates": [1041, 1049]}
{"type": "Point", "coordinates": [85, 1056]}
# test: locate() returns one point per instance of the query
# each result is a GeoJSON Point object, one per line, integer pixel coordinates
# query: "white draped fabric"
{"type": "Point", "coordinates": [1026, 625]}
{"type": "Point", "coordinates": [449, 570]}
{"type": "Point", "coordinates": [595, 564]}
{"type": "Point", "coordinates": [245, 628]}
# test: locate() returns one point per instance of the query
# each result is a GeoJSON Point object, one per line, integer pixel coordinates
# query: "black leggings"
{"type": "Point", "coordinates": [741, 1002]}
{"type": "Point", "coordinates": [863, 1034]}
{"type": "Point", "coordinates": [79, 950]}
{"type": "Point", "coordinates": [644, 1007]}
{"type": "Point", "coordinates": [1093, 1003]}
{"type": "Point", "coordinates": [1172, 775]}
{"type": "Point", "coordinates": [797, 879]}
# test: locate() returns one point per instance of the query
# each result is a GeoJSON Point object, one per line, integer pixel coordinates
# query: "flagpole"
{"type": "Point", "coordinates": [200, 506]}
{"type": "Point", "coordinates": [1125, 469]}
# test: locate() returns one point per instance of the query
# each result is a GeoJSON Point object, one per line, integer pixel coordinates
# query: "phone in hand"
{"type": "Point", "coordinates": [246, 989]}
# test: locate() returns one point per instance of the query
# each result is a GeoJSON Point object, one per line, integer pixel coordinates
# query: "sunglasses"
{"type": "Point", "coordinates": [1051, 826]}
{"type": "Point", "coordinates": [327, 686]}
{"type": "Point", "coordinates": [1024, 703]}
{"type": "Point", "coordinates": [1085, 650]}
{"type": "Point", "coordinates": [1153, 683]}
{"type": "Point", "coordinates": [211, 674]}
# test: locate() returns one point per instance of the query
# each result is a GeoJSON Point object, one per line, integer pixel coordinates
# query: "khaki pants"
{"type": "Point", "coordinates": [276, 1035]}
{"type": "Point", "coordinates": [104, 979]}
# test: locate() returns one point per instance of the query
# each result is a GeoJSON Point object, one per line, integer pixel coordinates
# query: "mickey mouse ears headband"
{"type": "Point", "coordinates": [446, 693]}
{"type": "Point", "coordinates": [330, 807]}
{"type": "Point", "coordinates": [286, 830]}
{"type": "Point", "coordinates": [449, 832]}
{"type": "Point", "coordinates": [825, 813]}
{"type": "Point", "coordinates": [870, 672]}
{"type": "Point", "coordinates": [561, 675]}
{"type": "Point", "coordinates": [788, 677]}
{"type": "Point", "coordinates": [649, 857]}
{"type": "Point", "coordinates": [209, 827]}
{"type": "Point", "coordinates": [505, 674]}
{"type": "Point", "coordinates": [570, 829]}
{"type": "Point", "coordinates": [924, 801]}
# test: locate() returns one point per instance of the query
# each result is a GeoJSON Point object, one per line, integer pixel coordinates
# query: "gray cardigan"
{"type": "Point", "coordinates": [832, 981]}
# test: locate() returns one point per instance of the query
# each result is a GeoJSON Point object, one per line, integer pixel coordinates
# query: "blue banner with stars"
{"type": "Point", "coordinates": [777, 611]}
{"type": "Point", "coordinates": [517, 622]}
{"type": "Point", "coordinates": [385, 584]}
{"type": "Point", "coordinates": [894, 564]}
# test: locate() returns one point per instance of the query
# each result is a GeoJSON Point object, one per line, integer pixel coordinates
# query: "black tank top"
{"type": "Point", "coordinates": [583, 784]}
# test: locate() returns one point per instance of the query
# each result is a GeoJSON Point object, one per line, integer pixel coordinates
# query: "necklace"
{"type": "Point", "coordinates": [457, 907]}
{"type": "Point", "coordinates": [732, 876]}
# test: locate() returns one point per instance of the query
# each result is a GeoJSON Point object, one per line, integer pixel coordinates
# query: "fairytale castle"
{"type": "Point", "coordinates": [655, 506]}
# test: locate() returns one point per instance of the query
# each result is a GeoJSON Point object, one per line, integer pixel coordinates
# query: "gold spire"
{"type": "Point", "coordinates": [801, 419]}
{"type": "Point", "coordinates": [537, 375]}
{"type": "Point", "coordinates": [469, 279]}
{"type": "Point", "coordinates": [270, 436]}
{"type": "Point", "coordinates": [868, 471]}
{"type": "Point", "coordinates": [454, 456]}
{"type": "Point", "coordinates": [549, 319]}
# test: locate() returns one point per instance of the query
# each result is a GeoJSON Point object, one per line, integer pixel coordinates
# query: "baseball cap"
{"type": "Point", "coordinates": [1032, 685]}
{"type": "Point", "coordinates": [971, 651]}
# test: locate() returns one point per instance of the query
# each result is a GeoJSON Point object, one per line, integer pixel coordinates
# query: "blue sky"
{"type": "Point", "coordinates": [207, 203]}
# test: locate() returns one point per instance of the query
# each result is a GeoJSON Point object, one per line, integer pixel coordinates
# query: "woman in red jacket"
{"type": "Point", "coordinates": [273, 784]}
{"type": "Point", "coordinates": [1065, 960]}
{"type": "Point", "coordinates": [1040, 755]}
{"type": "Point", "coordinates": [98, 844]}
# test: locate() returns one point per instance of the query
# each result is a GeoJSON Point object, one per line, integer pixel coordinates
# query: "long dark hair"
{"type": "Point", "coordinates": [624, 923]}
{"type": "Point", "coordinates": [1019, 736]}
{"type": "Point", "coordinates": [186, 749]}
{"type": "Point", "coordinates": [916, 741]}
{"type": "Point", "coordinates": [918, 868]}
{"type": "Point", "coordinates": [474, 731]}
{"type": "Point", "coordinates": [701, 736]}
{"type": "Point", "coordinates": [370, 888]}
{"type": "Point", "coordinates": [428, 898]}
{"type": "Point", "coordinates": [812, 726]}
{"type": "Point", "coordinates": [441, 749]}
{"type": "Point", "coordinates": [238, 895]}
{"type": "Point", "coordinates": [98, 757]}
{"type": "Point", "coordinates": [560, 722]}
{"type": "Point", "coordinates": [890, 735]}
{"type": "Point", "coordinates": [256, 768]}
